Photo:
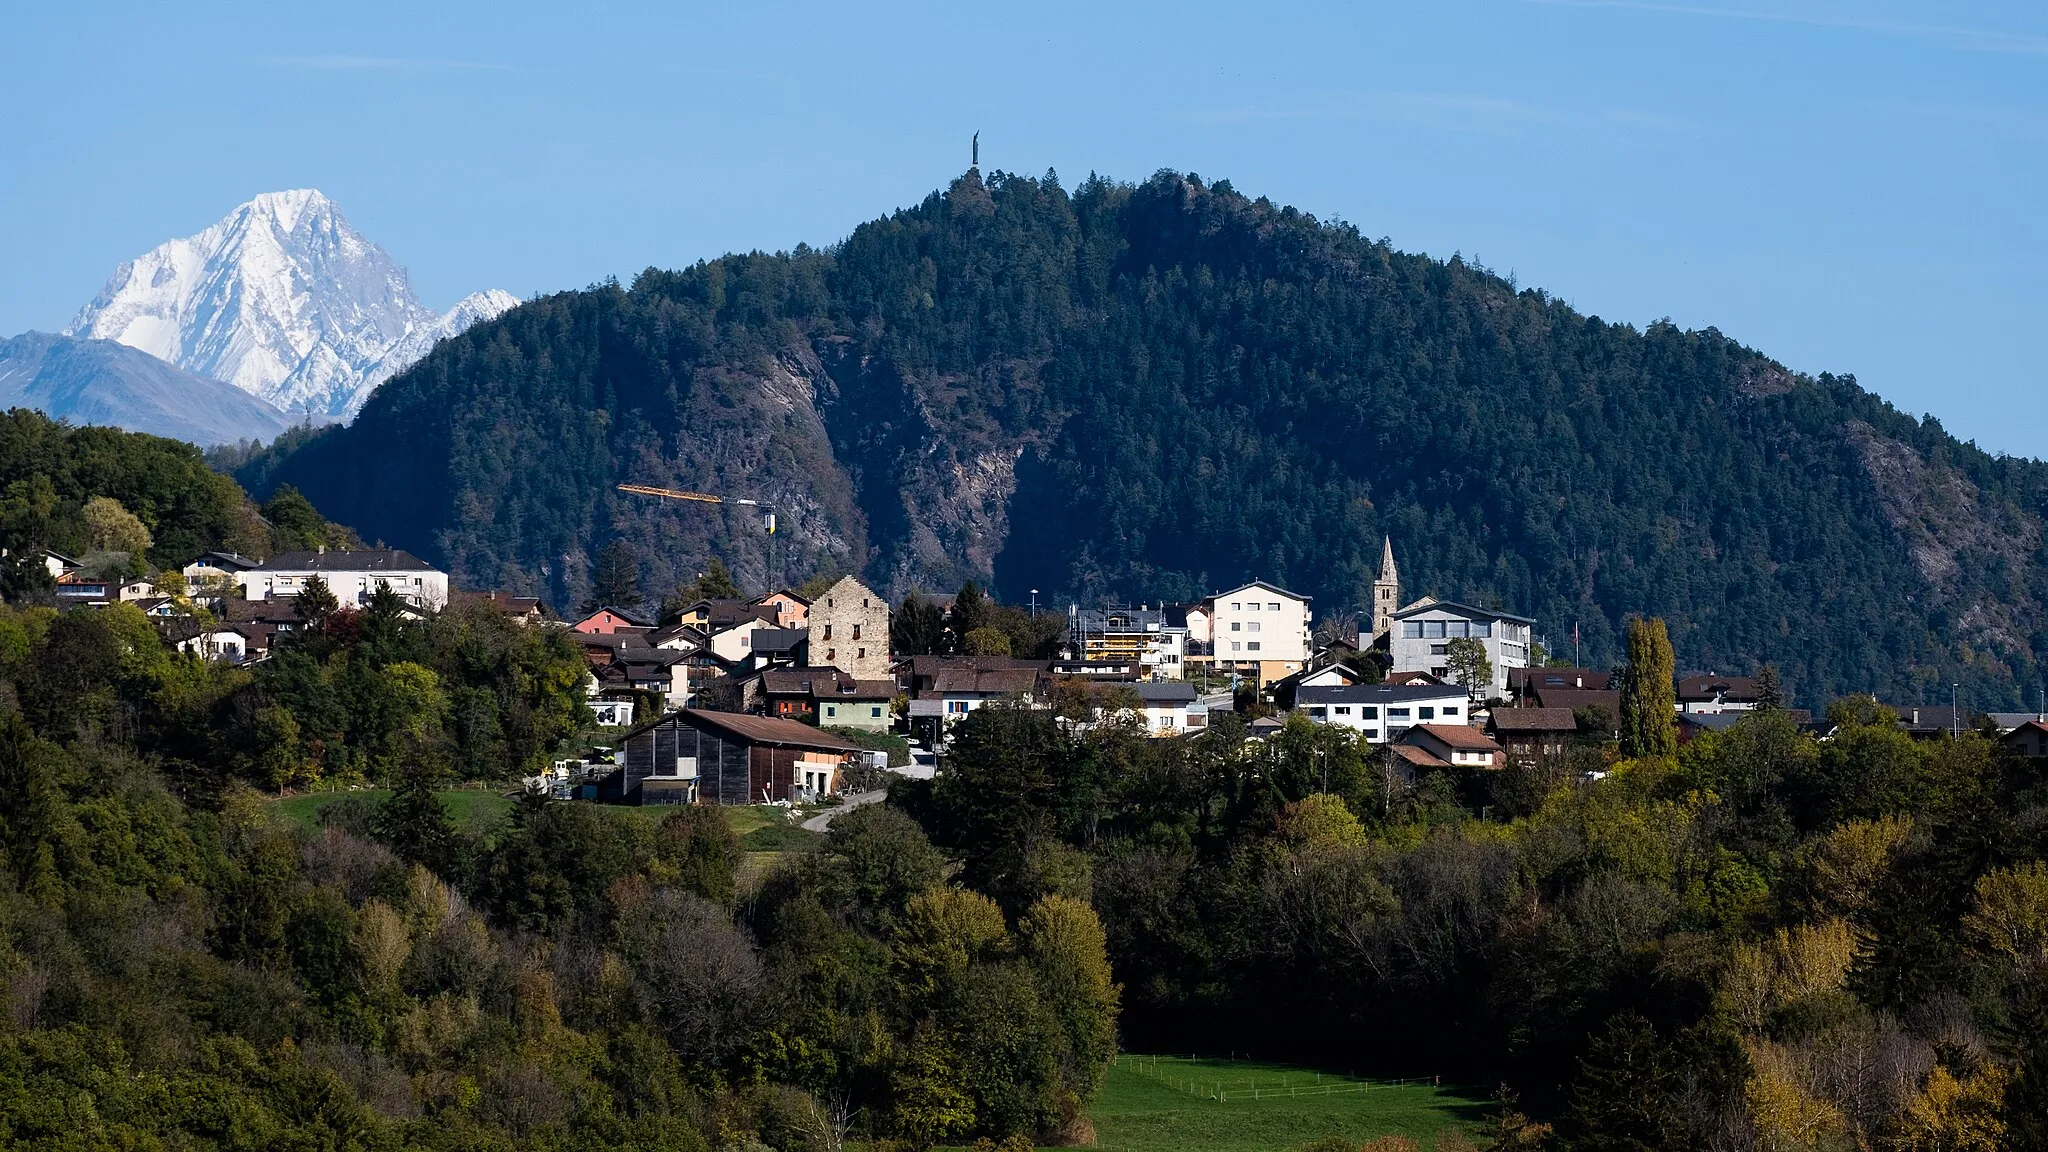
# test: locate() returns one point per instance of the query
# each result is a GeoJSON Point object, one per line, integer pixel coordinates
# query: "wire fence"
{"type": "Point", "coordinates": [1185, 1074]}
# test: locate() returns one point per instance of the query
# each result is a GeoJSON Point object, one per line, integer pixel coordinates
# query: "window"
{"type": "Point", "coordinates": [747, 641]}
{"type": "Point", "coordinates": [1433, 629]}
{"type": "Point", "coordinates": [1411, 630]}
{"type": "Point", "coordinates": [831, 709]}
{"type": "Point", "coordinates": [1237, 607]}
{"type": "Point", "coordinates": [1252, 627]}
{"type": "Point", "coordinates": [1457, 628]}
{"type": "Point", "coordinates": [828, 602]}
{"type": "Point", "coordinates": [1439, 649]}
{"type": "Point", "coordinates": [1369, 712]}
{"type": "Point", "coordinates": [864, 604]}
{"type": "Point", "coordinates": [831, 654]}
{"type": "Point", "coordinates": [875, 711]}
{"type": "Point", "coordinates": [1343, 709]}
{"type": "Point", "coordinates": [1482, 628]}
{"type": "Point", "coordinates": [956, 706]}
{"type": "Point", "coordinates": [856, 631]}
{"type": "Point", "coordinates": [1450, 709]}
{"type": "Point", "coordinates": [1428, 713]}
{"type": "Point", "coordinates": [1235, 646]}
{"type": "Point", "coordinates": [1318, 713]}
{"type": "Point", "coordinates": [1273, 607]}
{"type": "Point", "coordinates": [1372, 733]}
{"type": "Point", "coordinates": [1397, 713]}
{"type": "Point", "coordinates": [1236, 627]}
{"type": "Point", "coordinates": [1254, 647]}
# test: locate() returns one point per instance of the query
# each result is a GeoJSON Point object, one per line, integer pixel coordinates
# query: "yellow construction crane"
{"type": "Point", "coordinates": [708, 498]}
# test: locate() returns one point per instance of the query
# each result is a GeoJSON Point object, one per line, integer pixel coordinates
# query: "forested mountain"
{"type": "Point", "coordinates": [1152, 391]}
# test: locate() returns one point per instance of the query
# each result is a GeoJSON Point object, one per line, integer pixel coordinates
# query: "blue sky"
{"type": "Point", "coordinates": [1850, 187]}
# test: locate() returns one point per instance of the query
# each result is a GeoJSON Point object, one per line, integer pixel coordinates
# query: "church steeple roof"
{"type": "Point", "coordinates": [1387, 575]}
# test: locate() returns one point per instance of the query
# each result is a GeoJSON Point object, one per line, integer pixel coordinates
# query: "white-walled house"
{"type": "Point", "coordinates": [1263, 624]}
{"type": "Point", "coordinates": [217, 644]}
{"type": "Point", "coordinates": [353, 576]}
{"type": "Point", "coordinates": [1382, 712]}
{"type": "Point", "coordinates": [1421, 634]}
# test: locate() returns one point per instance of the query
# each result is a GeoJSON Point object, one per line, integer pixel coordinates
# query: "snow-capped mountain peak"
{"type": "Point", "coordinates": [283, 300]}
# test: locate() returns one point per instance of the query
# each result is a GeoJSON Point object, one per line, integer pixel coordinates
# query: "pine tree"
{"type": "Point", "coordinates": [616, 583]}
{"type": "Point", "coordinates": [1649, 724]}
{"type": "Point", "coordinates": [1770, 693]}
{"type": "Point", "coordinates": [716, 583]}
{"type": "Point", "coordinates": [315, 602]}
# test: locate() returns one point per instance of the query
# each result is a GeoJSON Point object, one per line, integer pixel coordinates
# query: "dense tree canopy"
{"type": "Point", "coordinates": [1150, 391]}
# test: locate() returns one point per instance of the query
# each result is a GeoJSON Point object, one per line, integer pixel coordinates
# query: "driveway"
{"type": "Point", "coordinates": [823, 819]}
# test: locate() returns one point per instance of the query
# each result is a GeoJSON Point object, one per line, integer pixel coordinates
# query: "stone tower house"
{"type": "Point", "coordinates": [849, 630]}
{"type": "Point", "coordinates": [1386, 591]}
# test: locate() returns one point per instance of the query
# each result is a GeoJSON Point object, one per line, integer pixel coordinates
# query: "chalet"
{"type": "Point", "coordinates": [215, 573]}
{"type": "Point", "coordinates": [1332, 675]}
{"type": "Point", "coordinates": [1585, 703]}
{"type": "Point", "coordinates": [352, 575]}
{"type": "Point", "coordinates": [1168, 707]}
{"type": "Point", "coordinates": [1434, 746]}
{"type": "Point", "coordinates": [716, 615]}
{"type": "Point", "coordinates": [2029, 739]}
{"type": "Point", "coordinates": [606, 621]}
{"type": "Point", "coordinates": [791, 610]}
{"type": "Point", "coordinates": [228, 643]}
{"type": "Point", "coordinates": [699, 757]}
{"type": "Point", "coordinates": [735, 642]}
{"type": "Point", "coordinates": [134, 590]}
{"type": "Point", "coordinates": [828, 698]}
{"type": "Point", "coordinates": [522, 609]}
{"type": "Point", "coordinates": [776, 648]}
{"type": "Point", "coordinates": [73, 588]}
{"type": "Point", "coordinates": [952, 690]}
{"type": "Point", "coordinates": [637, 666]}
{"type": "Point", "coordinates": [1526, 683]}
{"type": "Point", "coordinates": [1382, 712]}
{"type": "Point", "coordinates": [1711, 693]}
{"type": "Point", "coordinates": [1532, 733]}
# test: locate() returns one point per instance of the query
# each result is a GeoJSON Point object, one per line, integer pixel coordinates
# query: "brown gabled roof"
{"type": "Point", "coordinates": [1577, 698]}
{"type": "Point", "coordinates": [1534, 720]}
{"type": "Point", "coordinates": [769, 730]}
{"type": "Point", "coordinates": [1736, 688]}
{"type": "Point", "coordinates": [1457, 736]}
{"type": "Point", "coordinates": [824, 683]}
{"type": "Point", "coordinates": [1420, 757]}
{"type": "Point", "coordinates": [998, 681]}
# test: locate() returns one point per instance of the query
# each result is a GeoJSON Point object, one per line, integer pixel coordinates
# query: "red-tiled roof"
{"type": "Point", "coordinates": [1458, 736]}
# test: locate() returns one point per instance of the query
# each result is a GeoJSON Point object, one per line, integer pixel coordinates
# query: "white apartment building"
{"type": "Point", "coordinates": [352, 576]}
{"type": "Point", "coordinates": [1382, 712]}
{"type": "Point", "coordinates": [1421, 633]}
{"type": "Point", "coordinates": [1262, 624]}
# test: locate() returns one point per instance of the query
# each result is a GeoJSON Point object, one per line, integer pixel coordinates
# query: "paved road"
{"type": "Point", "coordinates": [819, 822]}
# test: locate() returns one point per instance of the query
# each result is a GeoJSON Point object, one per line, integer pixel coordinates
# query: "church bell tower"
{"type": "Point", "coordinates": [1386, 591]}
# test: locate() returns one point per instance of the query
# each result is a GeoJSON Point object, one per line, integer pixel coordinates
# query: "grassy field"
{"type": "Point", "coordinates": [1174, 1104]}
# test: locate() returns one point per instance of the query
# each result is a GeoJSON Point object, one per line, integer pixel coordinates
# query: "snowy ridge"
{"type": "Point", "coordinates": [283, 300]}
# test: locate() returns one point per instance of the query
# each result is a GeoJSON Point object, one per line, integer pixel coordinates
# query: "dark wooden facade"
{"type": "Point", "coordinates": [702, 757]}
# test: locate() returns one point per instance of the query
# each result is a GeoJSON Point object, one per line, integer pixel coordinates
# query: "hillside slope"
{"type": "Point", "coordinates": [102, 382]}
{"type": "Point", "coordinates": [1151, 391]}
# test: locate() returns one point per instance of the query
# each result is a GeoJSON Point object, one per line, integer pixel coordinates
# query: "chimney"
{"type": "Point", "coordinates": [1578, 681]}
{"type": "Point", "coordinates": [1916, 717]}
{"type": "Point", "coordinates": [323, 549]}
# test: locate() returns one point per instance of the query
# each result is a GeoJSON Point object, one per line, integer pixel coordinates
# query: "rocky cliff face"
{"type": "Point", "coordinates": [1151, 392]}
